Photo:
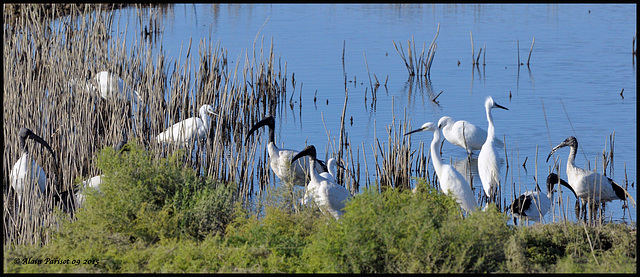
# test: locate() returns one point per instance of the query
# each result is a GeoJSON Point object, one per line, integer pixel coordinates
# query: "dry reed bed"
{"type": "Point", "coordinates": [41, 59]}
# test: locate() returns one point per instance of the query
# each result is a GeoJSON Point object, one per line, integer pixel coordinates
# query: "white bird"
{"type": "Point", "coordinates": [473, 139]}
{"type": "Point", "coordinates": [110, 86]}
{"type": "Point", "coordinates": [332, 171]}
{"type": "Point", "coordinates": [452, 182]}
{"type": "Point", "coordinates": [533, 205]}
{"type": "Point", "coordinates": [488, 167]}
{"type": "Point", "coordinates": [280, 159]}
{"type": "Point", "coordinates": [330, 197]}
{"type": "Point", "coordinates": [589, 186]}
{"type": "Point", "coordinates": [190, 129]}
{"type": "Point", "coordinates": [26, 172]}
{"type": "Point", "coordinates": [95, 181]}
{"type": "Point", "coordinates": [330, 175]}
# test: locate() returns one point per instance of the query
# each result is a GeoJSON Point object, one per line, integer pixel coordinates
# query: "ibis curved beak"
{"type": "Point", "coordinates": [269, 121]}
{"type": "Point", "coordinates": [563, 144]}
{"type": "Point", "coordinates": [307, 151]}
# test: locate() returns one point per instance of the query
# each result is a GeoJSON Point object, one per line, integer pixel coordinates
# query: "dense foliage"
{"type": "Point", "coordinates": [153, 215]}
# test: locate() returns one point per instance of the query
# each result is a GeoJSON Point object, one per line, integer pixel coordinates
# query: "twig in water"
{"type": "Point", "coordinates": [484, 56]}
{"type": "Point", "coordinates": [434, 99]}
{"type": "Point", "coordinates": [472, 51]}
{"type": "Point", "coordinates": [530, 50]}
{"type": "Point", "coordinates": [621, 93]}
{"type": "Point", "coordinates": [518, 47]}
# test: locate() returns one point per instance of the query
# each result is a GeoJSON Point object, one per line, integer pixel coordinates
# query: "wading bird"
{"type": "Point", "coordinates": [110, 86]}
{"type": "Point", "coordinates": [451, 181]}
{"type": "Point", "coordinates": [280, 159]}
{"type": "Point", "coordinates": [533, 205]}
{"type": "Point", "coordinates": [190, 129]}
{"type": "Point", "coordinates": [473, 138]}
{"type": "Point", "coordinates": [96, 181]}
{"type": "Point", "coordinates": [332, 171]}
{"type": "Point", "coordinates": [26, 172]}
{"type": "Point", "coordinates": [590, 187]}
{"type": "Point", "coordinates": [330, 197]}
{"type": "Point", "coordinates": [488, 159]}
{"type": "Point", "coordinates": [330, 175]}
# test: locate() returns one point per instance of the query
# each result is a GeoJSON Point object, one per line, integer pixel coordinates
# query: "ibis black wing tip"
{"type": "Point", "coordinates": [619, 190]}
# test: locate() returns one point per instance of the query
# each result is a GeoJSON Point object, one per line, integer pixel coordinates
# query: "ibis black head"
{"type": "Point", "coordinates": [307, 151]}
{"type": "Point", "coordinates": [26, 133]}
{"type": "Point", "coordinates": [570, 141]}
{"type": "Point", "coordinates": [553, 179]}
{"type": "Point", "coordinates": [269, 121]}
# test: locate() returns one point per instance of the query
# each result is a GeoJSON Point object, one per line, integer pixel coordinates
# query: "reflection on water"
{"type": "Point", "coordinates": [469, 169]}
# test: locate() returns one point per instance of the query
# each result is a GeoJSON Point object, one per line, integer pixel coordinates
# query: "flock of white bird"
{"type": "Point", "coordinates": [588, 186]}
{"type": "Point", "coordinates": [305, 170]}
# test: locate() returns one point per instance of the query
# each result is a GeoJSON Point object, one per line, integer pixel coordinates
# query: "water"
{"type": "Point", "coordinates": [581, 60]}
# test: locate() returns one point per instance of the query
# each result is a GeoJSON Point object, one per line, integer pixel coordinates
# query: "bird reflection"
{"type": "Point", "coordinates": [467, 170]}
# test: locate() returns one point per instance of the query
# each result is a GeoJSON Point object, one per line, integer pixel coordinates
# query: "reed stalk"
{"type": "Point", "coordinates": [77, 123]}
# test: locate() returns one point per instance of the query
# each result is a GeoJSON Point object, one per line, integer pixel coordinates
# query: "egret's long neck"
{"type": "Point", "coordinates": [435, 152]}
{"type": "Point", "coordinates": [491, 131]}
{"type": "Point", "coordinates": [206, 120]}
{"type": "Point", "coordinates": [331, 167]}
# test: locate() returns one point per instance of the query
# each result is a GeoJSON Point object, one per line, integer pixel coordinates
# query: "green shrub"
{"type": "Point", "coordinates": [152, 199]}
{"type": "Point", "coordinates": [390, 232]}
{"type": "Point", "coordinates": [399, 232]}
{"type": "Point", "coordinates": [565, 247]}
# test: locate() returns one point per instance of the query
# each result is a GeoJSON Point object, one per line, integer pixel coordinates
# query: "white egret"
{"type": "Point", "coordinates": [473, 139]}
{"type": "Point", "coordinates": [110, 86]}
{"type": "Point", "coordinates": [330, 197]}
{"type": "Point", "coordinates": [533, 205]}
{"type": "Point", "coordinates": [589, 186]}
{"type": "Point", "coordinates": [451, 181]}
{"type": "Point", "coordinates": [26, 172]}
{"type": "Point", "coordinates": [190, 129]}
{"type": "Point", "coordinates": [280, 159]}
{"type": "Point", "coordinates": [332, 171]}
{"type": "Point", "coordinates": [488, 159]}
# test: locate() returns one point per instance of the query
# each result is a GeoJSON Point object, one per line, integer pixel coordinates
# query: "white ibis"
{"type": "Point", "coordinates": [488, 159]}
{"type": "Point", "coordinates": [190, 129]}
{"type": "Point", "coordinates": [473, 138]}
{"type": "Point", "coordinates": [452, 182]}
{"type": "Point", "coordinates": [533, 205]}
{"type": "Point", "coordinates": [589, 186]}
{"type": "Point", "coordinates": [330, 197]}
{"type": "Point", "coordinates": [26, 172]}
{"type": "Point", "coordinates": [330, 175]}
{"type": "Point", "coordinates": [280, 159]}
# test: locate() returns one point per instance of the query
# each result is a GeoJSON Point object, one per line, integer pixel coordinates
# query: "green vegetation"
{"type": "Point", "coordinates": [153, 215]}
